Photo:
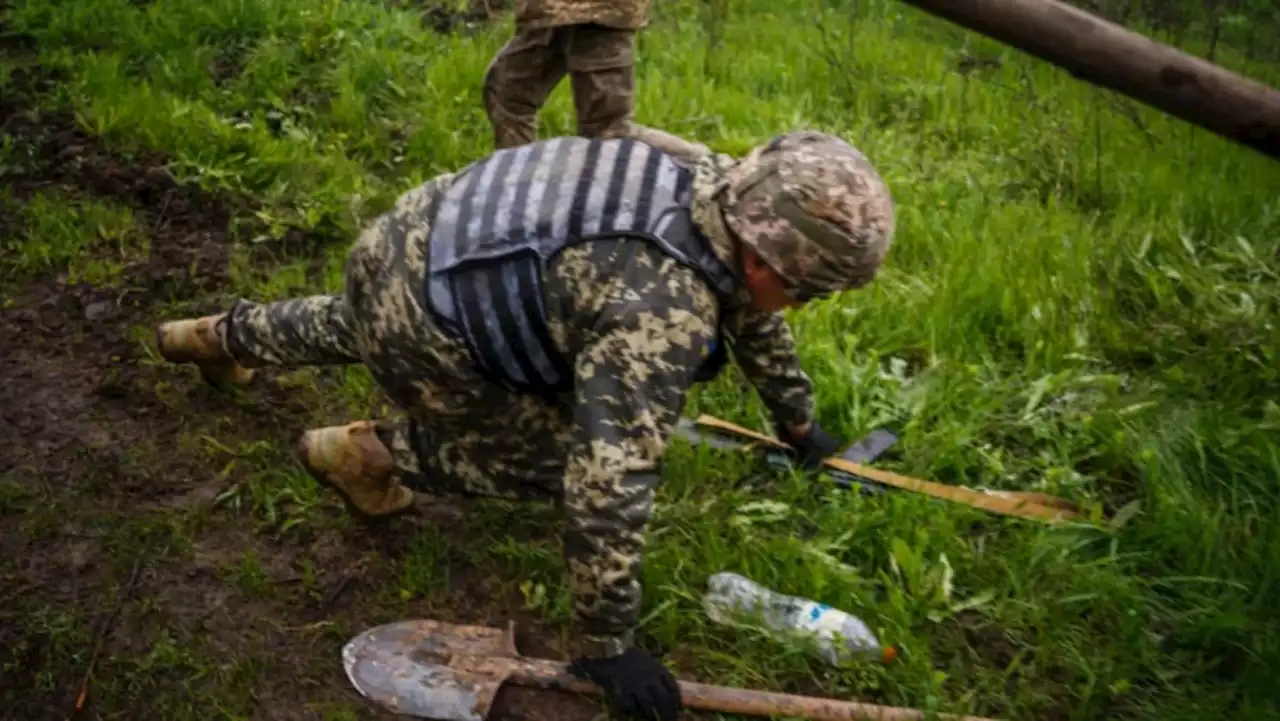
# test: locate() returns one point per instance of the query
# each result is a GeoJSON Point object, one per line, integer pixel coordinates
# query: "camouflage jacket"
{"type": "Point", "coordinates": [624, 15]}
{"type": "Point", "coordinates": [636, 325]}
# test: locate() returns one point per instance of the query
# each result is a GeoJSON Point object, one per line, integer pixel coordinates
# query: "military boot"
{"type": "Point", "coordinates": [353, 460]}
{"type": "Point", "coordinates": [198, 341]}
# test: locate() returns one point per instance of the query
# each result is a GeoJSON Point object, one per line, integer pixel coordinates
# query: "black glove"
{"type": "Point", "coordinates": [640, 687]}
{"type": "Point", "coordinates": [814, 447]}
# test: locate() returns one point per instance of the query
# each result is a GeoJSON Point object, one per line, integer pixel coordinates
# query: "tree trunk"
{"type": "Point", "coordinates": [1110, 56]}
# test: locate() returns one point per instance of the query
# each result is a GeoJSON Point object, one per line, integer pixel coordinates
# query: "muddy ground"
{"type": "Point", "coordinates": [116, 472]}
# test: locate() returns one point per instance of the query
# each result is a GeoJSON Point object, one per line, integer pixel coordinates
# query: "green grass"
{"type": "Point", "coordinates": [1081, 300]}
{"type": "Point", "coordinates": [90, 239]}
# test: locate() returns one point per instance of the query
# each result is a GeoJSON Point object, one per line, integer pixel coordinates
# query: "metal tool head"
{"type": "Point", "coordinates": [869, 447]}
{"type": "Point", "coordinates": [430, 669]}
{"type": "Point", "coordinates": [864, 450]}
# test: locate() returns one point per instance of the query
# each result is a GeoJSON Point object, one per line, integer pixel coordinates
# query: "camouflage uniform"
{"type": "Point", "coordinates": [633, 324]}
{"type": "Point", "coordinates": [592, 41]}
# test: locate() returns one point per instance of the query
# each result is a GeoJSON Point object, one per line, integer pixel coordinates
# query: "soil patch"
{"type": "Point", "coordinates": [188, 228]}
{"type": "Point", "coordinates": [105, 504]}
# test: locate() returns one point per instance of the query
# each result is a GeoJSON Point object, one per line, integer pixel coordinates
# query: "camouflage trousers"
{"type": "Point", "coordinates": [458, 432]}
{"type": "Point", "coordinates": [600, 62]}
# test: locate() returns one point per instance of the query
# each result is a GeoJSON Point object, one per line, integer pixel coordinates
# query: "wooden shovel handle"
{"type": "Point", "coordinates": [540, 673]}
{"type": "Point", "coordinates": [1032, 506]}
{"type": "Point", "coordinates": [768, 703]}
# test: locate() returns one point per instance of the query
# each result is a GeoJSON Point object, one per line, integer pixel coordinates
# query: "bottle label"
{"type": "Point", "coordinates": [819, 618]}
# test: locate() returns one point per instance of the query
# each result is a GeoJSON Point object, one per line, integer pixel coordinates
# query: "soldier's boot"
{"type": "Point", "coordinates": [354, 461]}
{"type": "Point", "coordinates": [509, 130]}
{"type": "Point", "coordinates": [199, 341]}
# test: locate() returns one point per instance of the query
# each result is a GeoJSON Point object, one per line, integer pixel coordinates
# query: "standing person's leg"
{"type": "Point", "coordinates": [601, 63]}
{"type": "Point", "coordinates": [517, 83]}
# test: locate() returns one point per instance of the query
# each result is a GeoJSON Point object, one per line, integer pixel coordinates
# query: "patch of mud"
{"type": "Point", "coordinates": [69, 361]}
{"type": "Point", "coordinates": [71, 525]}
{"type": "Point", "coordinates": [188, 228]}
{"type": "Point", "coordinates": [515, 703]}
{"type": "Point", "coordinates": [78, 405]}
{"type": "Point", "coordinates": [95, 482]}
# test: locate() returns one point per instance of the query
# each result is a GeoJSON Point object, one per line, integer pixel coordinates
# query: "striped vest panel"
{"type": "Point", "coordinates": [506, 216]}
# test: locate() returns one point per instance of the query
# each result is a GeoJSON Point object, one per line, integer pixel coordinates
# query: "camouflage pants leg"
{"type": "Point", "coordinates": [600, 62]}
{"type": "Point", "coordinates": [601, 65]}
{"type": "Point", "coordinates": [518, 82]}
{"type": "Point", "coordinates": [517, 453]}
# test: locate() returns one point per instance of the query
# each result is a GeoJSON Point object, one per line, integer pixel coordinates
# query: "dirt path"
{"type": "Point", "coordinates": [128, 482]}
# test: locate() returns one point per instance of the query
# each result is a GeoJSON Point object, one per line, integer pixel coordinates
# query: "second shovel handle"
{"type": "Point", "coordinates": [540, 673]}
{"type": "Point", "coordinates": [1024, 506]}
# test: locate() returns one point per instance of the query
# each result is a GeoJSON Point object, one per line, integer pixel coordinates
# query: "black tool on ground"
{"type": "Point", "coordinates": [863, 450]}
{"type": "Point", "coordinates": [1032, 505]}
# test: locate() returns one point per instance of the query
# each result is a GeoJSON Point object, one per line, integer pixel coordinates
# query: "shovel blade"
{"type": "Point", "coordinates": [405, 667]}
{"type": "Point", "coordinates": [869, 448]}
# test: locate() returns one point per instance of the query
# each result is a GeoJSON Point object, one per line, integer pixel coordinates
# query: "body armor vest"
{"type": "Point", "coordinates": [505, 217]}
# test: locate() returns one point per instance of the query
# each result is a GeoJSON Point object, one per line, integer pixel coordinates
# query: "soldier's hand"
{"type": "Point", "coordinates": [812, 445]}
{"type": "Point", "coordinates": [639, 686]}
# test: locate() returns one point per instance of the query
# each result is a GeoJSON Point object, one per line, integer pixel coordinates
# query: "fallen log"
{"type": "Point", "coordinates": [1110, 56]}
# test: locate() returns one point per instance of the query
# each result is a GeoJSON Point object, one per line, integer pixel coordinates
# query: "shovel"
{"type": "Point", "coordinates": [864, 450]}
{"type": "Point", "coordinates": [1036, 506]}
{"type": "Point", "coordinates": [451, 672]}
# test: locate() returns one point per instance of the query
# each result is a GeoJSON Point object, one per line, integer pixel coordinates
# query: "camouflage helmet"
{"type": "Point", "coordinates": [814, 209]}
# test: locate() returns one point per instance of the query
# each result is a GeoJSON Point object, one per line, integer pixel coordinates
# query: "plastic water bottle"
{"type": "Point", "coordinates": [840, 636]}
